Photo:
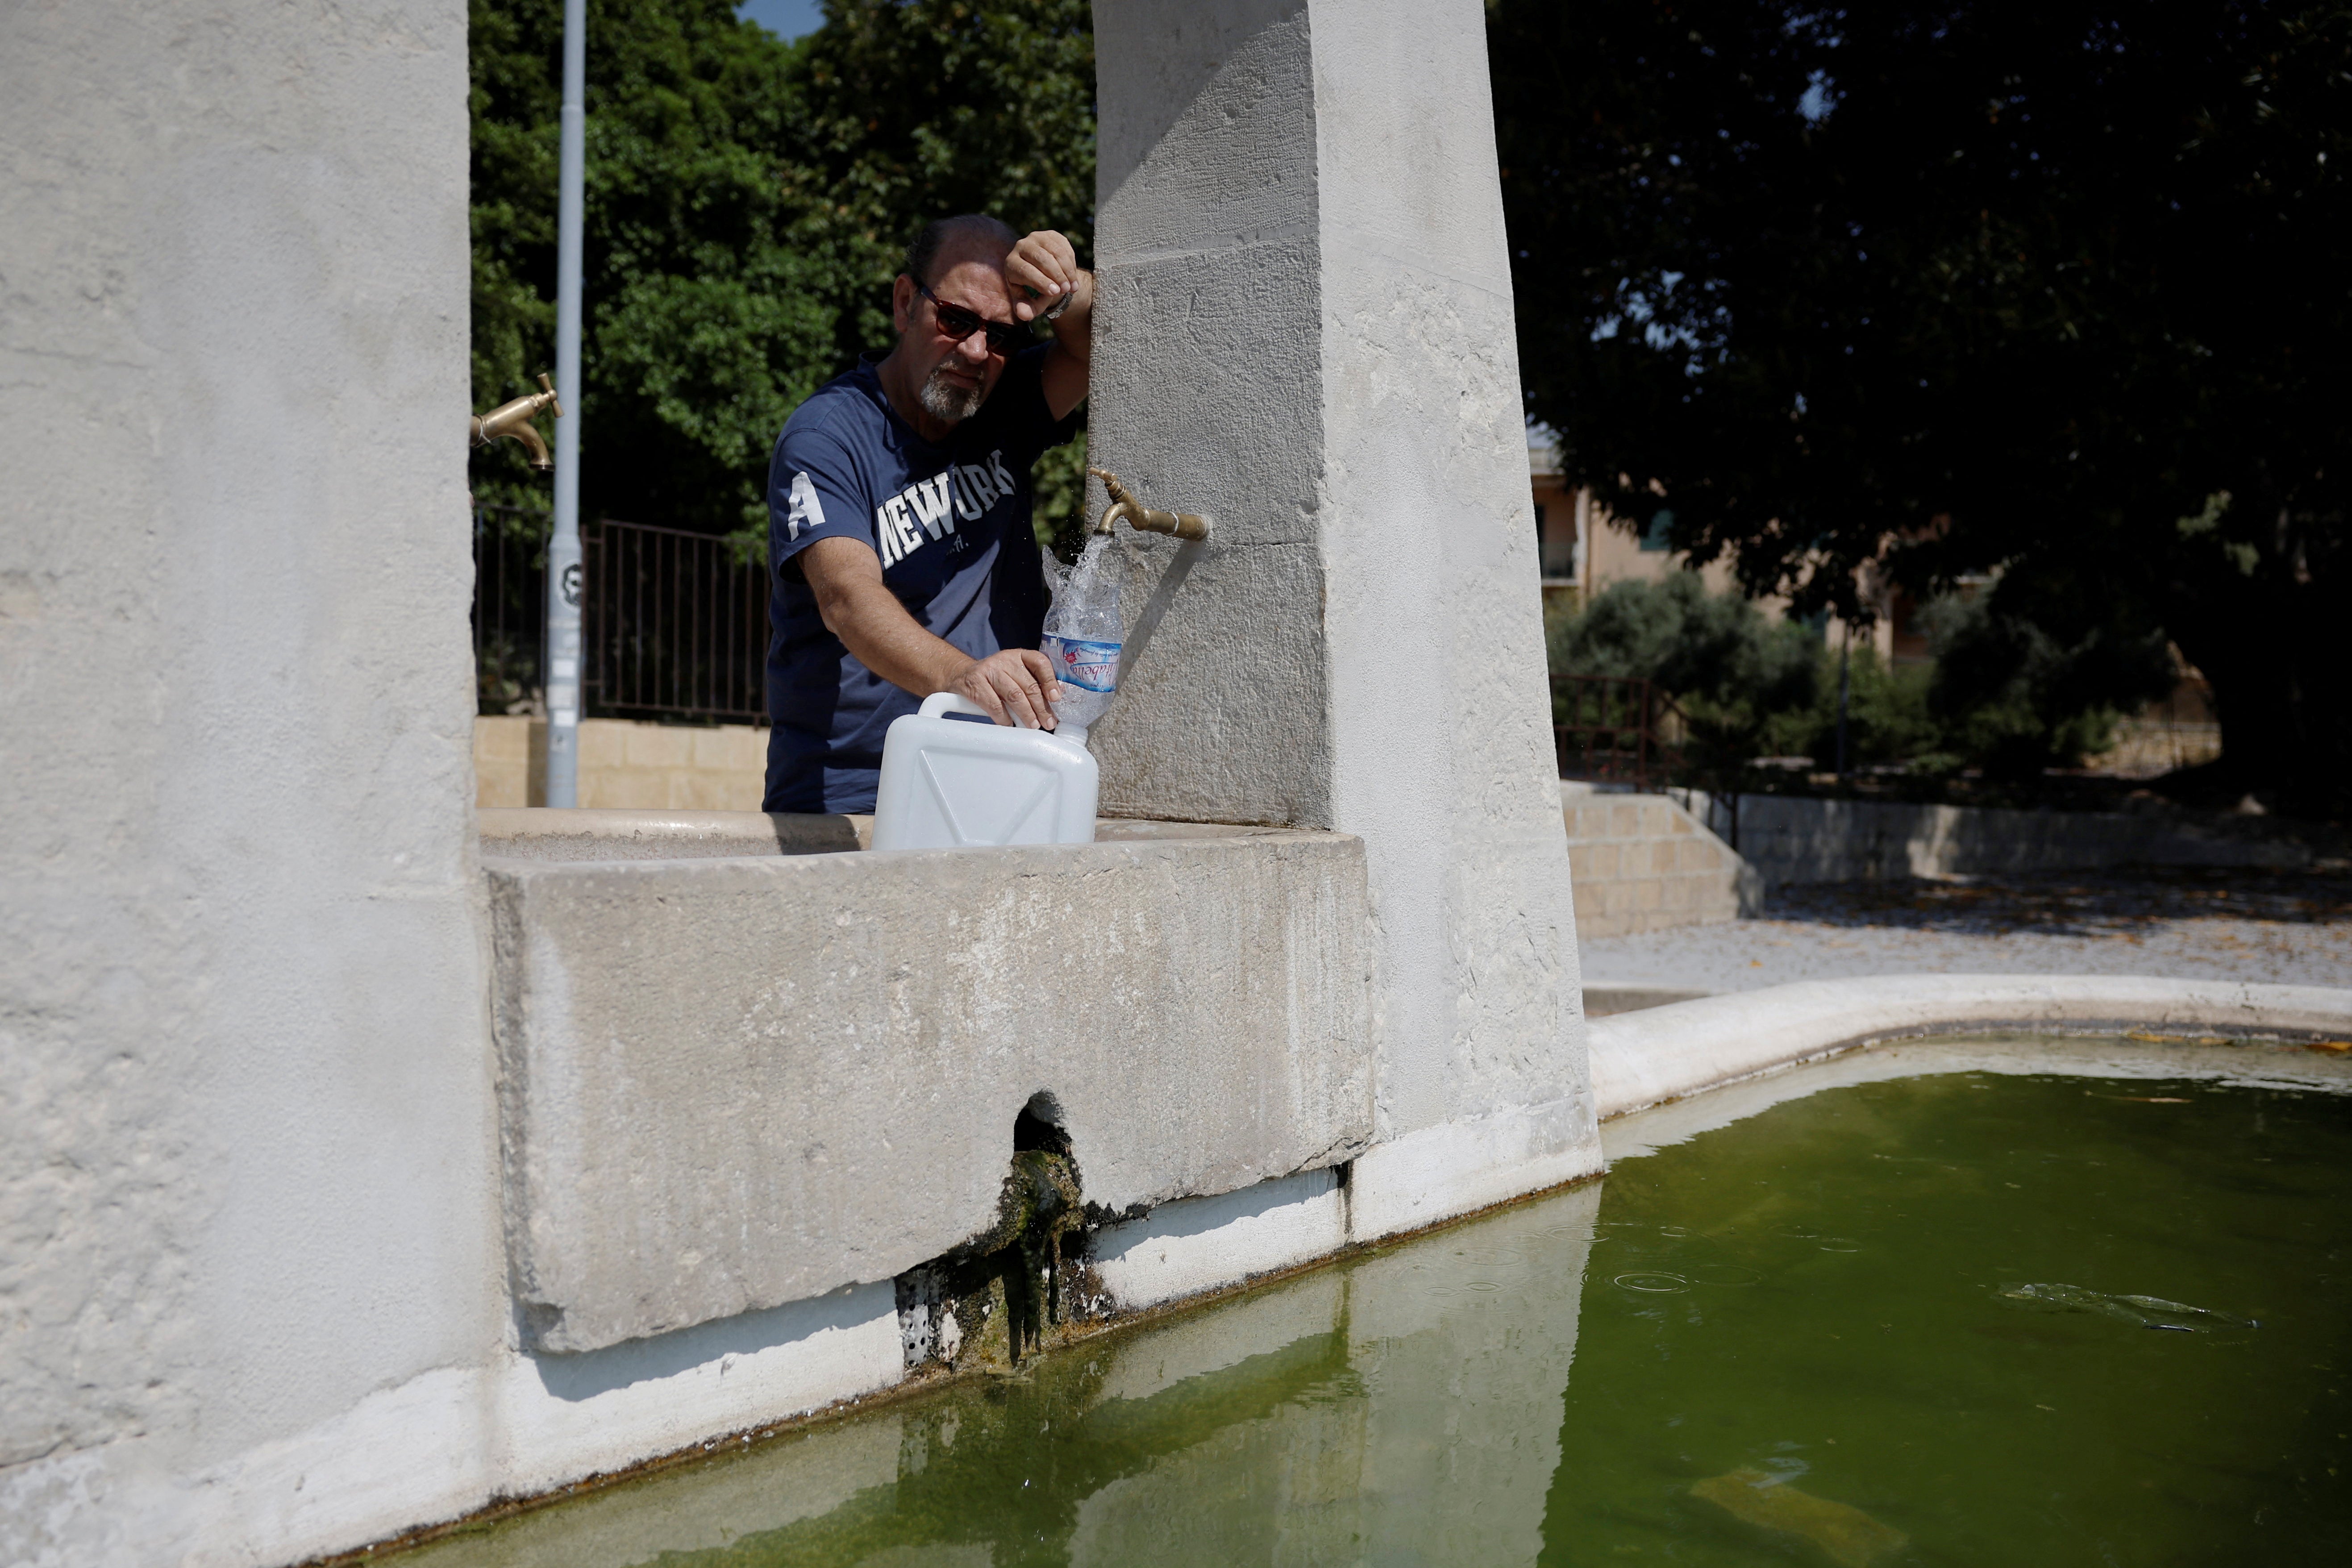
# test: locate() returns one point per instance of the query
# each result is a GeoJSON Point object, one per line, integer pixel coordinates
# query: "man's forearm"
{"type": "Point", "coordinates": [880, 635]}
{"type": "Point", "coordinates": [1013, 686]}
{"type": "Point", "coordinates": [1065, 377]}
{"type": "Point", "coordinates": [1073, 329]}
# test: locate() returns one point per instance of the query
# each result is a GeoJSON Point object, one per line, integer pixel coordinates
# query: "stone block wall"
{"type": "Point", "coordinates": [729, 1084]}
{"type": "Point", "coordinates": [1792, 841]}
{"type": "Point", "coordinates": [625, 764]}
{"type": "Point", "coordinates": [1640, 862]}
{"type": "Point", "coordinates": [1304, 333]}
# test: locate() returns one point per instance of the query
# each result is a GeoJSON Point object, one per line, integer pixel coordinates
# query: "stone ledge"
{"type": "Point", "coordinates": [730, 1083]}
{"type": "Point", "coordinates": [545, 833]}
{"type": "Point", "coordinates": [1645, 1057]}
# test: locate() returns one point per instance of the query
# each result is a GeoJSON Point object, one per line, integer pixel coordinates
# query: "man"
{"type": "Point", "coordinates": [898, 502]}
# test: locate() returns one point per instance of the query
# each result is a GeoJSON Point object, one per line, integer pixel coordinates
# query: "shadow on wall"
{"type": "Point", "coordinates": [787, 1328]}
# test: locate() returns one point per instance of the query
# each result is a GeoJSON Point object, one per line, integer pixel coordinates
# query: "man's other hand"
{"type": "Point", "coordinates": [1016, 685]}
{"type": "Point", "coordinates": [1043, 270]}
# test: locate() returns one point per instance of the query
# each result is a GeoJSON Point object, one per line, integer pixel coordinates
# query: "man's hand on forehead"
{"type": "Point", "coordinates": [1042, 274]}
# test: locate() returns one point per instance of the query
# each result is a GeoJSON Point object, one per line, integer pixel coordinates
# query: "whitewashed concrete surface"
{"type": "Point", "coordinates": [695, 1508]}
{"type": "Point", "coordinates": [252, 1283]}
{"type": "Point", "coordinates": [1197, 1244]}
{"type": "Point", "coordinates": [444, 1442]}
{"type": "Point", "coordinates": [248, 1142]}
{"type": "Point", "coordinates": [1433, 1173]}
{"type": "Point", "coordinates": [537, 833]}
{"type": "Point", "coordinates": [1663, 1053]}
{"type": "Point", "coordinates": [1305, 330]}
{"type": "Point", "coordinates": [587, 833]}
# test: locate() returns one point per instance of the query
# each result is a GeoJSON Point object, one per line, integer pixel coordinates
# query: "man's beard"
{"type": "Point", "coordinates": [944, 400]}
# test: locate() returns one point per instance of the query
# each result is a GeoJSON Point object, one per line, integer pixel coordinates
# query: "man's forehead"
{"type": "Point", "coordinates": [974, 275]}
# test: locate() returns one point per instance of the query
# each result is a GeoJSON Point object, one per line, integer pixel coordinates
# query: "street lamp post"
{"type": "Point", "coordinates": [563, 544]}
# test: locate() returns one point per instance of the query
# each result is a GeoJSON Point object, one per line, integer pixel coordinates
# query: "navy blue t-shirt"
{"type": "Point", "coordinates": [952, 525]}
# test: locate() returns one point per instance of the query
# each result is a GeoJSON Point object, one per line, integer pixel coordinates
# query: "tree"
{"type": "Point", "coordinates": [2054, 289]}
{"type": "Point", "coordinates": [2002, 695]}
{"type": "Point", "coordinates": [1740, 679]}
{"type": "Point", "coordinates": [747, 204]}
{"type": "Point", "coordinates": [917, 109]}
{"type": "Point", "coordinates": [704, 324]}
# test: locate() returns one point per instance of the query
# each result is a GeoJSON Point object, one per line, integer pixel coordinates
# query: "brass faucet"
{"type": "Point", "coordinates": [1124, 503]}
{"type": "Point", "coordinates": [513, 421]}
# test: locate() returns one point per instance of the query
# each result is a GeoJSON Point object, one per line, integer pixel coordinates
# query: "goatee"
{"type": "Point", "coordinates": [944, 400]}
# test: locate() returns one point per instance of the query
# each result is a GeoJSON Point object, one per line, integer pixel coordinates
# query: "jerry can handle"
{"type": "Point", "coordinates": [940, 702]}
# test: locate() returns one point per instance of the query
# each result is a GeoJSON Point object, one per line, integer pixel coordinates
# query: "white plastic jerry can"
{"type": "Point", "coordinates": [946, 783]}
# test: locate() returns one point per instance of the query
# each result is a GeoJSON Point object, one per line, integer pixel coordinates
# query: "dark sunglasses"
{"type": "Point", "coordinates": [958, 324]}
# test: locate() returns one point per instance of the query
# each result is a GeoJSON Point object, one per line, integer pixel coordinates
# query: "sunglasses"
{"type": "Point", "coordinates": [958, 324]}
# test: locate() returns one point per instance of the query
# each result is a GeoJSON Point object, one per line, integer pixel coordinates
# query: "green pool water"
{"type": "Point", "coordinates": [1980, 1315]}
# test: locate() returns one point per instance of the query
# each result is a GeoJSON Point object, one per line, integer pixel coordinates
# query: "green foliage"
{"type": "Point", "coordinates": [2001, 695]}
{"type": "Point", "coordinates": [2015, 699]}
{"type": "Point", "coordinates": [704, 324]}
{"type": "Point", "coordinates": [1740, 678]}
{"type": "Point", "coordinates": [913, 109]}
{"type": "Point", "coordinates": [1059, 518]}
{"type": "Point", "coordinates": [1694, 643]}
{"type": "Point", "coordinates": [1888, 716]}
{"type": "Point", "coordinates": [2054, 288]}
{"type": "Point", "coordinates": [748, 200]}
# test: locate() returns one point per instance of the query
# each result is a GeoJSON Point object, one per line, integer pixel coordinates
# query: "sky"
{"type": "Point", "coordinates": [785, 18]}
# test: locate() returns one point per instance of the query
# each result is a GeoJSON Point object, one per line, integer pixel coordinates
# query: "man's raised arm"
{"type": "Point", "coordinates": [1042, 269]}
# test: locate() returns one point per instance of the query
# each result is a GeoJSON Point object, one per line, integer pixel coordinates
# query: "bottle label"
{"type": "Point", "coordinates": [1083, 663]}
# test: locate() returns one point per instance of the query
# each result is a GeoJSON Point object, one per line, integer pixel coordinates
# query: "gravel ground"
{"type": "Point", "coordinates": [2289, 928]}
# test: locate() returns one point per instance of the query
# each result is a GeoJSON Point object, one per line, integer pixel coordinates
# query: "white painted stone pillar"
{"type": "Point", "coordinates": [248, 1178]}
{"type": "Point", "coordinates": [1306, 332]}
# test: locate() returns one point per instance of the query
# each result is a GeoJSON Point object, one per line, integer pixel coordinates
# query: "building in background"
{"type": "Point", "coordinates": [1583, 549]}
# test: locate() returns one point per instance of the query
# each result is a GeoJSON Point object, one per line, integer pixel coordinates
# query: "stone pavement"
{"type": "Point", "coordinates": [2288, 928]}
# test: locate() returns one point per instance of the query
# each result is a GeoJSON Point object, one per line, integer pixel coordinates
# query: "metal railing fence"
{"type": "Point", "coordinates": [510, 606]}
{"type": "Point", "coordinates": [673, 624]}
{"type": "Point", "coordinates": [1606, 728]}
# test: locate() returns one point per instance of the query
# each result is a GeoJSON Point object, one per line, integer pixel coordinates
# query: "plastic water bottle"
{"type": "Point", "coordinates": [1082, 637]}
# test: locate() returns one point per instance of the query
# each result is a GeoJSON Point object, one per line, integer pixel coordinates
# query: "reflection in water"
{"type": "Point", "coordinates": [1847, 1536]}
{"type": "Point", "coordinates": [1796, 1339]}
{"type": "Point", "coordinates": [1403, 1407]}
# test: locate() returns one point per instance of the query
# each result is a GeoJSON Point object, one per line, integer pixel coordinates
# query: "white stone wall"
{"type": "Point", "coordinates": [244, 1109]}
{"type": "Point", "coordinates": [731, 1084]}
{"type": "Point", "coordinates": [1306, 332]}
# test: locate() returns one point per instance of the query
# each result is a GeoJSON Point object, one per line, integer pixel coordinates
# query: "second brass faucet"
{"type": "Point", "coordinates": [1124, 503]}
{"type": "Point", "coordinates": [512, 420]}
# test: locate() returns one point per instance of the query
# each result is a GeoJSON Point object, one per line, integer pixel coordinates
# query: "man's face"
{"type": "Point", "coordinates": [953, 376]}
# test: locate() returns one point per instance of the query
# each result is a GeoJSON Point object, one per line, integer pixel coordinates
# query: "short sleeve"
{"type": "Point", "coordinates": [814, 493]}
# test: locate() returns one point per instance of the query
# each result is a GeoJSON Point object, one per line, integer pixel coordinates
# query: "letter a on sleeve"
{"type": "Point", "coordinates": [805, 512]}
